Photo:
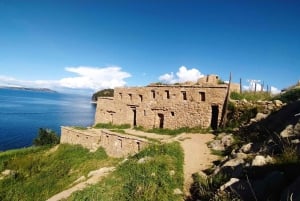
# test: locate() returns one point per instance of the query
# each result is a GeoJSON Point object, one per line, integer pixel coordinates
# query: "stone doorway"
{"type": "Point", "coordinates": [134, 117]}
{"type": "Point", "coordinates": [161, 120]}
{"type": "Point", "coordinates": [214, 117]}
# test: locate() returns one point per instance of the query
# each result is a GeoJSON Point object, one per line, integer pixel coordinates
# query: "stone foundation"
{"type": "Point", "coordinates": [115, 144]}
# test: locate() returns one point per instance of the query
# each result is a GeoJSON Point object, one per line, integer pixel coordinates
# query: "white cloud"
{"type": "Point", "coordinates": [86, 78]}
{"type": "Point", "coordinates": [183, 75]}
{"type": "Point", "coordinates": [251, 87]}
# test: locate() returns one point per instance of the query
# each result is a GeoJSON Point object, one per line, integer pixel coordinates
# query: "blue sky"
{"type": "Point", "coordinates": [90, 45]}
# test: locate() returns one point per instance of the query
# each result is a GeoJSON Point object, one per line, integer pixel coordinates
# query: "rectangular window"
{"type": "Point", "coordinates": [167, 94]}
{"type": "Point", "coordinates": [144, 112]}
{"type": "Point", "coordinates": [173, 114]}
{"type": "Point", "coordinates": [130, 96]}
{"type": "Point", "coordinates": [120, 95]}
{"type": "Point", "coordinates": [184, 95]}
{"type": "Point", "coordinates": [202, 96]}
{"type": "Point", "coordinates": [141, 98]}
{"type": "Point", "coordinates": [153, 94]}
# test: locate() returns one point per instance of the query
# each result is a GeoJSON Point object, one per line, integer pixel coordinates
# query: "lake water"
{"type": "Point", "coordinates": [23, 112]}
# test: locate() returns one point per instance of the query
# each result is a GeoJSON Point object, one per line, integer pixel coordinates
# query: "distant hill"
{"type": "Point", "coordinates": [29, 89]}
{"type": "Point", "coordinates": [103, 93]}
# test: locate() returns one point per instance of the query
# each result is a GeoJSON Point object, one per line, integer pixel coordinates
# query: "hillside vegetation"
{"type": "Point", "coordinates": [103, 93]}
{"type": "Point", "coordinates": [38, 173]}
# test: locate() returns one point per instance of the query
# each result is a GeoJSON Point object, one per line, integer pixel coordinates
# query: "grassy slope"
{"type": "Point", "coordinates": [39, 174]}
{"type": "Point", "coordinates": [152, 180]}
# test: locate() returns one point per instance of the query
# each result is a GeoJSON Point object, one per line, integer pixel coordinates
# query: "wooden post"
{"type": "Point", "coordinates": [224, 110]}
{"type": "Point", "coordinates": [241, 87]}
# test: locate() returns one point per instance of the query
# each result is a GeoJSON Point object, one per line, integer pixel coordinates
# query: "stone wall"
{"type": "Point", "coordinates": [115, 145]}
{"type": "Point", "coordinates": [164, 106]}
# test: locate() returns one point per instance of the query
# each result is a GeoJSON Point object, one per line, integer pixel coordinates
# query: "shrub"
{"type": "Point", "coordinates": [46, 137]}
{"type": "Point", "coordinates": [289, 96]}
{"type": "Point", "coordinates": [251, 95]}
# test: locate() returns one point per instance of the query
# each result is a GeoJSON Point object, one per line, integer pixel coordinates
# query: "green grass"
{"type": "Point", "coordinates": [251, 95]}
{"type": "Point", "coordinates": [112, 126]}
{"type": "Point", "coordinates": [39, 173]}
{"type": "Point", "coordinates": [289, 96]}
{"type": "Point", "coordinates": [164, 131]}
{"type": "Point", "coordinates": [142, 181]}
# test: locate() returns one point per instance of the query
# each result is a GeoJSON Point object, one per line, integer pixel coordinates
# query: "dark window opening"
{"type": "Point", "coordinates": [138, 146]}
{"type": "Point", "coordinates": [184, 95]}
{"type": "Point", "coordinates": [202, 96]}
{"type": "Point", "coordinates": [134, 117]}
{"type": "Point", "coordinates": [141, 98]}
{"type": "Point", "coordinates": [153, 94]}
{"type": "Point", "coordinates": [161, 120]}
{"type": "Point", "coordinates": [173, 114]}
{"type": "Point", "coordinates": [130, 96]}
{"type": "Point", "coordinates": [167, 94]}
{"type": "Point", "coordinates": [214, 116]}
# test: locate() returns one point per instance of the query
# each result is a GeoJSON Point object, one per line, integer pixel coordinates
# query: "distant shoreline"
{"type": "Point", "coordinates": [29, 89]}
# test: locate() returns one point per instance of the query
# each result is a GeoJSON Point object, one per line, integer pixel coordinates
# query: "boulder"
{"type": "Point", "coordinates": [288, 131]}
{"type": "Point", "coordinates": [260, 160]}
{"type": "Point", "coordinates": [246, 148]}
{"type": "Point", "coordinates": [216, 145]}
{"type": "Point", "coordinates": [278, 103]}
{"type": "Point", "coordinates": [227, 140]}
{"type": "Point", "coordinates": [229, 183]}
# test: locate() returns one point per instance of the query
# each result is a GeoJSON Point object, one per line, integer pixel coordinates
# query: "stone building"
{"type": "Point", "coordinates": [165, 106]}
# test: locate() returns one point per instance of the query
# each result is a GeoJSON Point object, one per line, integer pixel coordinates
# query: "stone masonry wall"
{"type": "Point", "coordinates": [115, 145]}
{"type": "Point", "coordinates": [165, 106]}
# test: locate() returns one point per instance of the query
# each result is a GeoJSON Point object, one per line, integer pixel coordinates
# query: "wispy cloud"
{"type": "Point", "coordinates": [85, 78]}
{"type": "Point", "coordinates": [183, 75]}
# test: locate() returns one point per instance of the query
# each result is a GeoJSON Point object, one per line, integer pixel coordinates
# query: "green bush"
{"type": "Point", "coordinates": [289, 96]}
{"type": "Point", "coordinates": [46, 137]}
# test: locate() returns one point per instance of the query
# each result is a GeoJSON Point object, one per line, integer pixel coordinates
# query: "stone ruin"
{"type": "Point", "coordinates": [173, 106]}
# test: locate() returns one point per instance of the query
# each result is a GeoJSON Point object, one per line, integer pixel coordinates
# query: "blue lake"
{"type": "Point", "coordinates": [23, 112]}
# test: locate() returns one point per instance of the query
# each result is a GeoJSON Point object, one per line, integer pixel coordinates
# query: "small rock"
{"type": "Point", "coordinates": [227, 140]}
{"type": "Point", "coordinates": [260, 160]}
{"type": "Point", "coordinates": [143, 160]}
{"type": "Point", "coordinates": [172, 172]}
{"type": "Point", "coordinates": [288, 131]}
{"type": "Point", "coordinates": [278, 103]}
{"type": "Point", "coordinates": [6, 172]}
{"type": "Point", "coordinates": [229, 183]}
{"type": "Point", "coordinates": [246, 148]}
{"type": "Point", "coordinates": [259, 116]}
{"type": "Point", "coordinates": [234, 162]}
{"type": "Point", "coordinates": [216, 145]}
{"type": "Point", "coordinates": [177, 191]}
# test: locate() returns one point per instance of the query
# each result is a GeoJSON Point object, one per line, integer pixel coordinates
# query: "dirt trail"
{"type": "Point", "coordinates": [197, 156]}
{"type": "Point", "coordinates": [94, 177]}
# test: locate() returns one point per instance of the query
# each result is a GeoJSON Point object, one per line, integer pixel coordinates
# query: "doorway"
{"type": "Point", "coordinates": [161, 120]}
{"type": "Point", "coordinates": [214, 116]}
{"type": "Point", "coordinates": [134, 117]}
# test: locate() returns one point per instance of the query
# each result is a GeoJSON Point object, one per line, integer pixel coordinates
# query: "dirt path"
{"type": "Point", "coordinates": [94, 177]}
{"type": "Point", "coordinates": [197, 155]}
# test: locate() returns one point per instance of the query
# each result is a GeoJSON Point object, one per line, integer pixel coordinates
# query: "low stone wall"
{"type": "Point", "coordinates": [115, 144]}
